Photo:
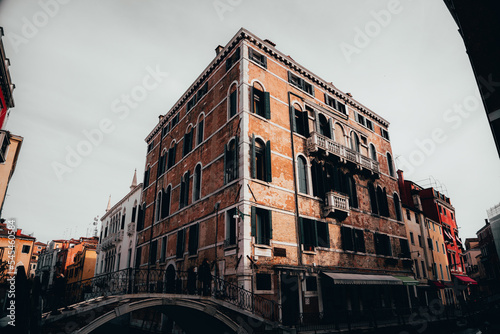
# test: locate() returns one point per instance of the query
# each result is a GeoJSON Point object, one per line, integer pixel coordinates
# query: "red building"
{"type": "Point", "coordinates": [438, 207]}
{"type": "Point", "coordinates": [6, 85]}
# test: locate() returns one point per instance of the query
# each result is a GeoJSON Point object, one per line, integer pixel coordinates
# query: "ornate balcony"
{"type": "Point", "coordinates": [119, 236]}
{"type": "Point", "coordinates": [317, 141]}
{"type": "Point", "coordinates": [336, 204]}
{"type": "Point", "coordinates": [131, 228]}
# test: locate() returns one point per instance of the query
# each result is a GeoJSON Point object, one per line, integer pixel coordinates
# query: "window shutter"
{"type": "Point", "coordinates": [254, 168]}
{"type": "Point", "coordinates": [235, 157]}
{"type": "Point", "coordinates": [343, 236]}
{"type": "Point", "coordinates": [330, 126]}
{"type": "Point", "coordinates": [186, 198]}
{"type": "Point", "coordinates": [267, 105]}
{"type": "Point", "coordinates": [269, 176]}
{"type": "Point", "coordinates": [289, 77]}
{"type": "Point", "coordinates": [327, 99]}
{"type": "Point", "coordinates": [301, 232]}
{"type": "Point", "coordinates": [316, 118]}
{"type": "Point", "coordinates": [232, 106]}
{"type": "Point", "coordinates": [327, 241]}
{"type": "Point", "coordinates": [270, 225]}
{"type": "Point", "coordinates": [312, 89]}
{"type": "Point", "coordinates": [225, 162]}
{"type": "Point", "coordinates": [294, 121]}
{"type": "Point", "coordinates": [315, 233]}
{"type": "Point", "coordinates": [264, 61]}
{"type": "Point", "coordinates": [252, 99]}
{"type": "Point", "coordinates": [253, 221]}
{"type": "Point", "coordinates": [174, 149]}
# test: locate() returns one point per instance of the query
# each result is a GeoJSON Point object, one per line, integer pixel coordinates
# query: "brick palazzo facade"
{"type": "Point", "coordinates": [285, 184]}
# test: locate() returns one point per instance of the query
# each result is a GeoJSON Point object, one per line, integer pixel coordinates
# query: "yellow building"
{"type": "Point", "coordinates": [83, 265]}
{"type": "Point", "coordinates": [15, 249]}
{"type": "Point", "coordinates": [10, 145]}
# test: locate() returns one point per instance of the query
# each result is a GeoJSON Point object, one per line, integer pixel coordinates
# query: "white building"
{"type": "Point", "coordinates": [117, 240]}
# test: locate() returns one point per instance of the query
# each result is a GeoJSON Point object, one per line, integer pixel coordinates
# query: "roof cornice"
{"type": "Point", "coordinates": [276, 54]}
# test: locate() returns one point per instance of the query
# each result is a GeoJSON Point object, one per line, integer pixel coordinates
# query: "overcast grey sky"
{"type": "Point", "coordinates": [74, 61]}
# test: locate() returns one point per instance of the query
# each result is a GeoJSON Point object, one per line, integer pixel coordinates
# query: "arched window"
{"type": "Point", "coordinates": [197, 183]}
{"type": "Point", "coordinates": [200, 129]}
{"type": "Point", "coordinates": [261, 104]}
{"type": "Point", "coordinates": [231, 161]}
{"type": "Point", "coordinates": [373, 152]}
{"type": "Point", "coordinates": [233, 101]}
{"type": "Point", "coordinates": [339, 134]}
{"type": "Point", "coordinates": [351, 191]}
{"type": "Point", "coordinates": [354, 142]}
{"type": "Point", "coordinates": [300, 121]}
{"type": "Point", "coordinates": [390, 165]}
{"type": "Point", "coordinates": [373, 198]}
{"type": "Point", "coordinates": [171, 154]}
{"type": "Point", "coordinates": [261, 160]}
{"type": "Point", "coordinates": [324, 126]}
{"type": "Point", "coordinates": [158, 206]}
{"type": "Point", "coordinates": [165, 204]}
{"type": "Point", "coordinates": [302, 171]}
{"type": "Point", "coordinates": [382, 202]}
{"type": "Point", "coordinates": [188, 140]}
{"type": "Point", "coordinates": [184, 191]}
{"type": "Point", "coordinates": [397, 207]}
{"type": "Point", "coordinates": [162, 163]}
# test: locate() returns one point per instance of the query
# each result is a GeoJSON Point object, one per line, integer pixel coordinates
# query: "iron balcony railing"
{"type": "Point", "coordinates": [132, 281]}
{"type": "Point", "coordinates": [317, 141]}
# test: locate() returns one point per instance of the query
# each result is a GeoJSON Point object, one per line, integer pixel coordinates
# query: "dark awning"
{"type": "Point", "coordinates": [465, 279]}
{"type": "Point", "coordinates": [437, 284]}
{"type": "Point", "coordinates": [361, 279]}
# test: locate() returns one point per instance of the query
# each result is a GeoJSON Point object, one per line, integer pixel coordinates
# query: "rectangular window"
{"type": "Point", "coordinates": [263, 282]}
{"type": "Point", "coordinates": [311, 283]}
{"type": "Point", "coordinates": [383, 244]}
{"type": "Point", "coordinates": [193, 239]}
{"type": "Point", "coordinates": [26, 249]}
{"type": "Point", "coordinates": [146, 178]}
{"type": "Point", "coordinates": [437, 246]}
{"type": "Point", "coordinates": [417, 219]}
{"type": "Point", "coordinates": [411, 238]}
{"type": "Point", "coordinates": [165, 130]}
{"type": "Point", "coordinates": [420, 241]}
{"type": "Point", "coordinates": [138, 257]}
{"type": "Point", "coordinates": [150, 146]}
{"type": "Point", "coordinates": [191, 103]}
{"type": "Point", "coordinates": [360, 119]}
{"type": "Point", "coordinates": [230, 228]}
{"type": "Point", "coordinates": [335, 104]}
{"type": "Point", "coordinates": [442, 246]}
{"type": "Point", "coordinates": [262, 228]}
{"type": "Point", "coordinates": [369, 124]}
{"type": "Point", "coordinates": [430, 244]}
{"type": "Point", "coordinates": [301, 122]}
{"type": "Point", "coordinates": [163, 249]}
{"type": "Point", "coordinates": [417, 270]}
{"type": "Point", "coordinates": [441, 269]}
{"type": "Point", "coordinates": [424, 271]}
{"type": "Point", "coordinates": [408, 214]}
{"type": "Point", "coordinates": [384, 133]}
{"type": "Point", "coordinates": [180, 245]}
{"type": "Point", "coordinates": [261, 103]}
{"type": "Point", "coordinates": [202, 91]}
{"type": "Point", "coordinates": [405, 248]}
{"type": "Point", "coordinates": [201, 129]}
{"type": "Point", "coordinates": [5, 142]}
{"type": "Point", "coordinates": [233, 59]}
{"type": "Point", "coordinates": [152, 253]}
{"type": "Point", "coordinates": [447, 273]}
{"type": "Point", "coordinates": [352, 239]}
{"type": "Point", "coordinates": [188, 143]}
{"type": "Point", "coordinates": [300, 83]}
{"type": "Point", "coordinates": [257, 57]}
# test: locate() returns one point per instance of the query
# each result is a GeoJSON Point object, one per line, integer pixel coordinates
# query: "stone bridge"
{"type": "Point", "coordinates": [149, 300]}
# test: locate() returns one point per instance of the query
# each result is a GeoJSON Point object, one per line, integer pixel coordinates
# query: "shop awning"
{"type": "Point", "coordinates": [407, 280]}
{"type": "Point", "coordinates": [465, 279]}
{"type": "Point", "coordinates": [360, 279]}
{"type": "Point", "coordinates": [437, 284]}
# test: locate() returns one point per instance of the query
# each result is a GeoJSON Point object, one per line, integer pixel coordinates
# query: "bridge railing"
{"type": "Point", "coordinates": [131, 281]}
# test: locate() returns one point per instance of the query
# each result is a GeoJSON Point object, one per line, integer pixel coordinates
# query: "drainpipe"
{"type": "Point", "coordinates": [296, 194]}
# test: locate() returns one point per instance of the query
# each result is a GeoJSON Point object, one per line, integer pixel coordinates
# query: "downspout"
{"type": "Point", "coordinates": [296, 194]}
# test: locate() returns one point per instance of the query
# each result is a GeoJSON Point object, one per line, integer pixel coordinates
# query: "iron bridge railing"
{"type": "Point", "coordinates": [133, 281]}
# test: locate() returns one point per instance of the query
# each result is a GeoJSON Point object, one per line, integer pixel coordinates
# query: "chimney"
{"type": "Point", "coordinates": [218, 49]}
{"type": "Point", "coordinates": [18, 232]}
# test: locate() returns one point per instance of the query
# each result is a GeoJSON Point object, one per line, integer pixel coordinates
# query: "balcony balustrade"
{"type": "Point", "coordinates": [317, 141]}
{"type": "Point", "coordinates": [131, 228]}
{"type": "Point", "coordinates": [336, 203]}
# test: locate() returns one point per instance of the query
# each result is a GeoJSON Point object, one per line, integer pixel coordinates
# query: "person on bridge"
{"type": "Point", "coordinates": [205, 276]}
